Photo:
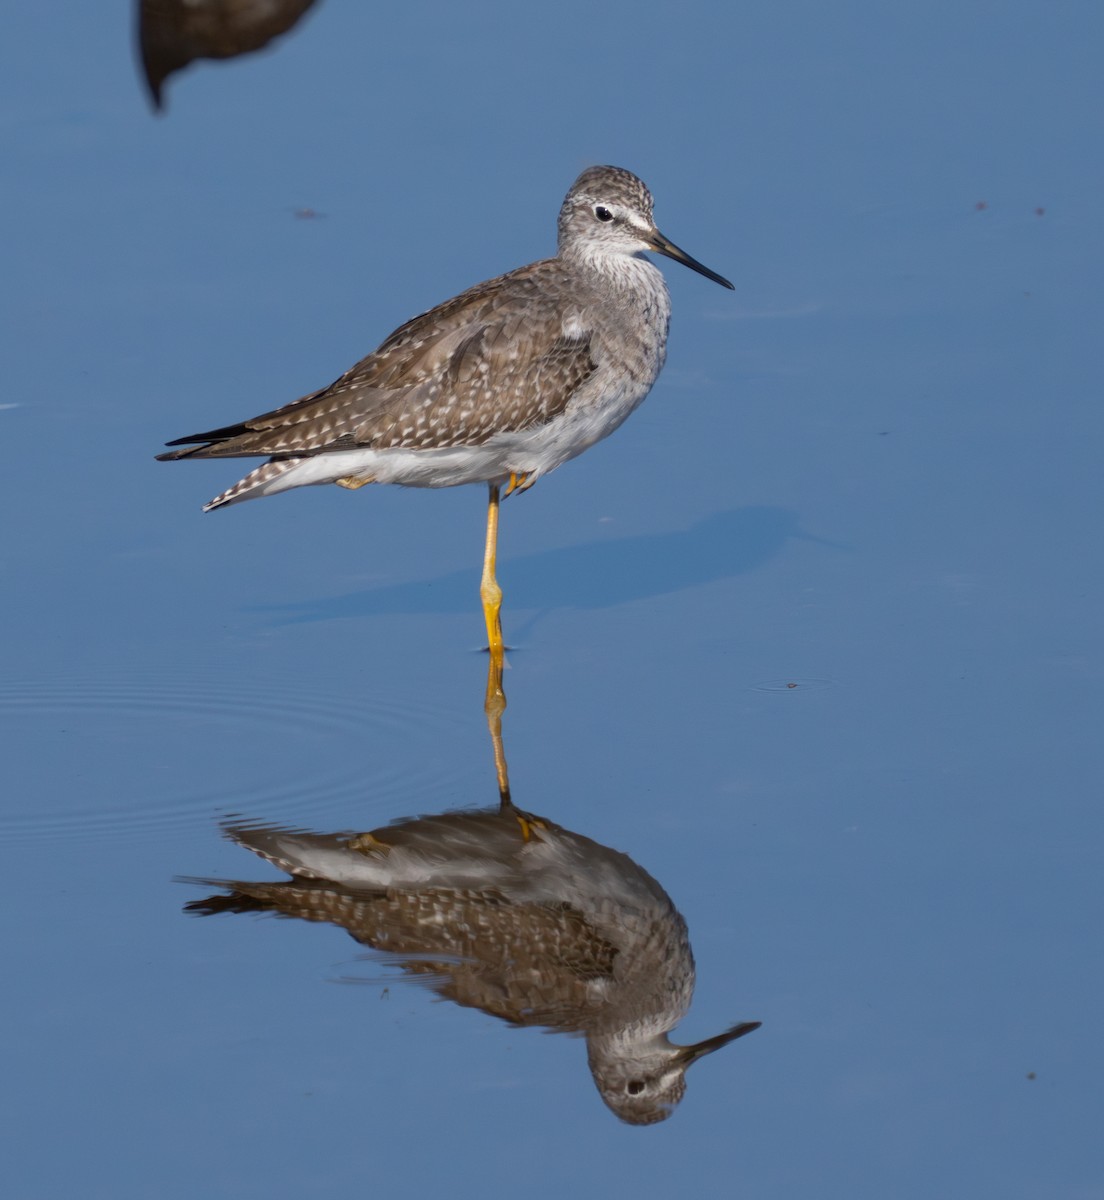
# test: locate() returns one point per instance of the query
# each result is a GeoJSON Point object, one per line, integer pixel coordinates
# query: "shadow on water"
{"type": "Point", "coordinates": [509, 913]}
{"type": "Point", "coordinates": [593, 575]}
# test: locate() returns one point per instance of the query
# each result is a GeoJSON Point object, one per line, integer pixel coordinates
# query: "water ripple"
{"type": "Point", "coordinates": [140, 755]}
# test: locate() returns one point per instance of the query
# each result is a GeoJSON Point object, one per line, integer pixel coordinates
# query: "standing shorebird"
{"type": "Point", "coordinates": [499, 385]}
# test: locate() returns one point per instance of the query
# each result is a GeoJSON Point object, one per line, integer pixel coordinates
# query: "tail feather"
{"type": "Point", "coordinates": [318, 856]}
{"type": "Point", "coordinates": [257, 483]}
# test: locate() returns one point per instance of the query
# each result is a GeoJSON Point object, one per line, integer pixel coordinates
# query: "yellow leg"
{"type": "Point", "coordinates": [489, 590]}
{"type": "Point", "coordinates": [352, 482]}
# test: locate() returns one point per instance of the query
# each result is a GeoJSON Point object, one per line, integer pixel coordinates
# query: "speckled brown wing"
{"type": "Point", "coordinates": [528, 964]}
{"type": "Point", "coordinates": [493, 359]}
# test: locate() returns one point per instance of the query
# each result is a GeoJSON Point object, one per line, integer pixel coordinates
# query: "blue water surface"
{"type": "Point", "coordinates": [815, 637]}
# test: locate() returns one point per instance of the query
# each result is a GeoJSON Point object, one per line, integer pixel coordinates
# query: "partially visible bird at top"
{"type": "Point", "coordinates": [499, 385]}
{"type": "Point", "coordinates": [174, 33]}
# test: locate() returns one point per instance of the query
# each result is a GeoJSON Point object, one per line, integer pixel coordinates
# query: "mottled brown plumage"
{"type": "Point", "coordinates": [477, 365]}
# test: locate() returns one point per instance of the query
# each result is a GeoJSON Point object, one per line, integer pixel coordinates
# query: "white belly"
{"type": "Point", "coordinates": [534, 452]}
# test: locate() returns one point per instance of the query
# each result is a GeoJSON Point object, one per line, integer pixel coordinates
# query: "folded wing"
{"type": "Point", "coordinates": [480, 364]}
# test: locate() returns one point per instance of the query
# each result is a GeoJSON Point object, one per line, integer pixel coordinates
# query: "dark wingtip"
{"type": "Point", "coordinates": [195, 443]}
{"type": "Point", "coordinates": [187, 446]}
{"type": "Point", "coordinates": [234, 902]}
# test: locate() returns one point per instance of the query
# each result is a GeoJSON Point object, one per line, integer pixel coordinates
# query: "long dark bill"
{"type": "Point", "coordinates": [692, 1053]}
{"type": "Point", "coordinates": [661, 244]}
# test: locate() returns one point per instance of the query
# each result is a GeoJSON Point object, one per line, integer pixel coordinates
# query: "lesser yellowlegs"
{"type": "Point", "coordinates": [499, 385]}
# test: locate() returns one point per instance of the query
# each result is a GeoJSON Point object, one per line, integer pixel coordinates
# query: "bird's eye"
{"type": "Point", "coordinates": [634, 1087]}
{"type": "Point", "coordinates": [603, 214]}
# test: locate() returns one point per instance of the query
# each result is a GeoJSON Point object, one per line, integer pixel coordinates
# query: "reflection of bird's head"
{"type": "Point", "coordinates": [644, 1083]}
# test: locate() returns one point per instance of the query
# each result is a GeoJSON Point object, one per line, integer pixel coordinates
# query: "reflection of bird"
{"type": "Point", "coordinates": [501, 384]}
{"type": "Point", "coordinates": [508, 913]}
{"type": "Point", "coordinates": [174, 33]}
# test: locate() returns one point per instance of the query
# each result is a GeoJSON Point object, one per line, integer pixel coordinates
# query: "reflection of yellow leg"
{"type": "Point", "coordinates": [489, 590]}
{"type": "Point", "coordinates": [494, 706]}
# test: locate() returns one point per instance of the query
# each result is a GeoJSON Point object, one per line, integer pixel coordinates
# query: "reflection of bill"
{"type": "Point", "coordinates": [511, 914]}
{"type": "Point", "coordinates": [174, 33]}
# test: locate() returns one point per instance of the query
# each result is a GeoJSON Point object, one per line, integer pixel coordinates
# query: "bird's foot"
{"type": "Point", "coordinates": [520, 482]}
{"type": "Point", "coordinates": [352, 482]}
{"type": "Point", "coordinates": [368, 844]}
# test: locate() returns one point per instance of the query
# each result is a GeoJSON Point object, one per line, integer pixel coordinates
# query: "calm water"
{"type": "Point", "coordinates": [872, 473]}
